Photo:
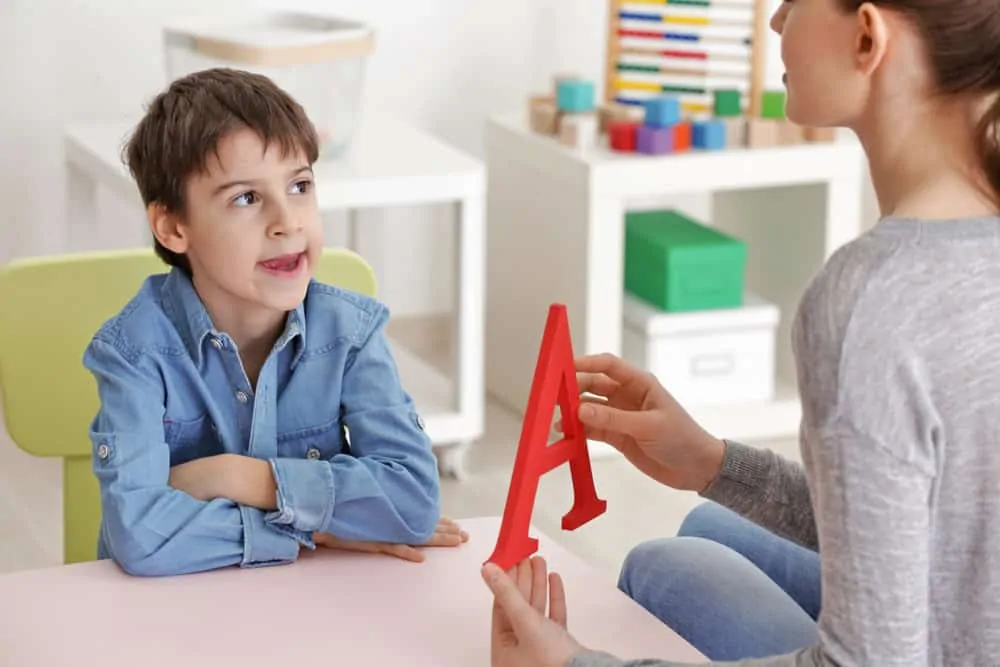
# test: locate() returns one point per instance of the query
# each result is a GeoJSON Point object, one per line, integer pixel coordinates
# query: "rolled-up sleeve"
{"type": "Point", "coordinates": [150, 528]}
{"type": "Point", "coordinates": [387, 488]}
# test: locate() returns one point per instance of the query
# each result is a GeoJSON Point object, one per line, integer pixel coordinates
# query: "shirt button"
{"type": "Point", "coordinates": [313, 453]}
{"type": "Point", "coordinates": [217, 344]}
{"type": "Point", "coordinates": [242, 397]}
{"type": "Point", "coordinates": [103, 451]}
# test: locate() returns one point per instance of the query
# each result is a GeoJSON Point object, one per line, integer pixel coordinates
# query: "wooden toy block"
{"type": "Point", "coordinates": [575, 95]}
{"type": "Point", "coordinates": [682, 136]}
{"type": "Point", "coordinates": [709, 134]}
{"type": "Point", "coordinates": [543, 116]}
{"type": "Point", "coordinates": [554, 383]}
{"type": "Point", "coordinates": [727, 103]}
{"type": "Point", "coordinates": [820, 134]}
{"type": "Point", "coordinates": [663, 111]}
{"type": "Point", "coordinates": [790, 134]}
{"type": "Point", "coordinates": [615, 113]}
{"type": "Point", "coordinates": [623, 136]}
{"type": "Point", "coordinates": [736, 132]}
{"type": "Point", "coordinates": [578, 130]}
{"type": "Point", "coordinates": [773, 104]}
{"type": "Point", "coordinates": [763, 132]}
{"type": "Point", "coordinates": [655, 140]}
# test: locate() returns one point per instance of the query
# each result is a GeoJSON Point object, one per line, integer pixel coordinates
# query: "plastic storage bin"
{"type": "Point", "coordinates": [318, 59]}
{"type": "Point", "coordinates": [678, 264]}
{"type": "Point", "coordinates": [711, 357]}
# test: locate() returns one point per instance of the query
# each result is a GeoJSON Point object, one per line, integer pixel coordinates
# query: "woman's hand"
{"type": "Point", "coordinates": [522, 634]}
{"type": "Point", "coordinates": [446, 534]}
{"type": "Point", "coordinates": [631, 411]}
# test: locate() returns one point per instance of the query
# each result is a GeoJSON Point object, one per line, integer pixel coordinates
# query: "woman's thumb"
{"type": "Point", "coordinates": [612, 420]}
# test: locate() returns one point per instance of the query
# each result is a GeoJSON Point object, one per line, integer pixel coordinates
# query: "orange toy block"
{"type": "Point", "coordinates": [682, 136]}
{"type": "Point", "coordinates": [554, 382]}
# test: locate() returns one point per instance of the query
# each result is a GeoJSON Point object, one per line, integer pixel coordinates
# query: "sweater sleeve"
{"type": "Point", "coordinates": [766, 489]}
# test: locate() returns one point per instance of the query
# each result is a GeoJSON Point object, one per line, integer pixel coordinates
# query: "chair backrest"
{"type": "Point", "coordinates": [50, 308]}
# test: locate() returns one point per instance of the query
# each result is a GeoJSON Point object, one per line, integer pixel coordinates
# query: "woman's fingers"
{"type": "Point", "coordinates": [557, 426]}
{"type": "Point", "coordinates": [615, 368]}
{"type": "Point", "coordinates": [596, 383]}
{"type": "Point", "coordinates": [539, 584]}
{"type": "Point", "coordinates": [557, 599]}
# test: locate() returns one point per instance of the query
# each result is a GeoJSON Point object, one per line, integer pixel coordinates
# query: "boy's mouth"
{"type": "Point", "coordinates": [284, 265]}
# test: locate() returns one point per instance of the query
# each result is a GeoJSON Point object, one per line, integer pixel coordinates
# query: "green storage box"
{"type": "Point", "coordinates": [677, 264]}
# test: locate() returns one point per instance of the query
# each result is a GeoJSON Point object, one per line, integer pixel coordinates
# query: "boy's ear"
{"type": "Point", "coordinates": [167, 228]}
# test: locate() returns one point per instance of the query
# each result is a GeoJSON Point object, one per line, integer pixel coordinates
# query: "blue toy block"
{"type": "Point", "coordinates": [575, 95]}
{"type": "Point", "coordinates": [710, 134]}
{"type": "Point", "coordinates": [663, 111]}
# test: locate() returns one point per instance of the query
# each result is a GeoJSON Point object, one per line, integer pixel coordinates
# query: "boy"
{"type": "Point", "coordinates": [227, 385]}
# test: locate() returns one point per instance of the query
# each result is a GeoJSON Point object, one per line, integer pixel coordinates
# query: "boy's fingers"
{"type": "Point", "coordinates": [445, 540]}
{"type": "Point", "coordinates": [404, 551]}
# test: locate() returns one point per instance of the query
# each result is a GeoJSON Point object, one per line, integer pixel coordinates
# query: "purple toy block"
{"type": "Point", "coordinates": [655, 140]}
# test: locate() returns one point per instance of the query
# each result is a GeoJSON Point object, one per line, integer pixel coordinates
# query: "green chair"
{"type": "Point", "coordinates": [50, 308]}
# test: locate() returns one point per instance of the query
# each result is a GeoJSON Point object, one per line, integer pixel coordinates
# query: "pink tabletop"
{"type": "Point", "coordinates": [336, 607]}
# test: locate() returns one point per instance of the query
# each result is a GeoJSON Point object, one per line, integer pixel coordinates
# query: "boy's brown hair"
{"type": "Point", "coordinates": [184, 124]}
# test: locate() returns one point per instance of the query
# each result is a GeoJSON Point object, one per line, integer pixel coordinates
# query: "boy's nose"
{"type": "Point", "coordinates": [285, 223]}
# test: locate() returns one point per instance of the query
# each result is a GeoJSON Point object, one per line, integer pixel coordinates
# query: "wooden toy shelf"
{"type": "Point", "coordinates": [556, 234]}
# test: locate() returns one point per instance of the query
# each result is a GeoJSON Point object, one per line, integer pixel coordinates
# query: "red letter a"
{"type": "Point", "coordinates": [555, 379]}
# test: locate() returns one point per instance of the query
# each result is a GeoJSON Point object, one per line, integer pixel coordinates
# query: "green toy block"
{"type": "Point", "coordinates": [773, 104]}
{"type": "Point", "coordinates": [728, 103]}
{"type": "Point", "coordinates": [678, 264]}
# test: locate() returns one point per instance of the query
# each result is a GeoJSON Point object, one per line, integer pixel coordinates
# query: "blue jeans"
{"type": "Point", "coordinates": [729, 587]}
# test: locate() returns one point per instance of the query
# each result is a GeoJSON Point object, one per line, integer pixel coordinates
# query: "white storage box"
{"type": "Point", "coordinates": [706, 357]}
{"type": "Point", "coordinates": [318, 59]}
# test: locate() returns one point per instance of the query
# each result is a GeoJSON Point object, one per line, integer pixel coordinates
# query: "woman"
{"type": "Point", "coordinates": [897, 345]}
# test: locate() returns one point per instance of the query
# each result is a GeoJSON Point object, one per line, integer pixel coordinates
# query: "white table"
{"type": "Point", "coordinates": [389, 164]}
{"type": "Point", "coordinates": [333, 608]}
{"type": "Point", "coordinates": [557, 234]}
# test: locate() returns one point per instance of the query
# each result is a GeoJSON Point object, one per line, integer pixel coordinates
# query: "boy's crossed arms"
{"type": "Point", "coordinates": [249, 481]}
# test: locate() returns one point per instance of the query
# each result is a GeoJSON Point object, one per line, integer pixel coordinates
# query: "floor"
{"type": "Point", "coordinates": [638, 508]}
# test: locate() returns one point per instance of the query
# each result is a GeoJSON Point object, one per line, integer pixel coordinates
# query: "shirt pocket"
{"type": "Point", "coordinates": [321, 442]}
{"type": "Point", "coordinates": [191, 439]}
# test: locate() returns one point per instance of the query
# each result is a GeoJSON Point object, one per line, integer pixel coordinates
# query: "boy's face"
{"type": "Point", "coordinates": [251, 229]}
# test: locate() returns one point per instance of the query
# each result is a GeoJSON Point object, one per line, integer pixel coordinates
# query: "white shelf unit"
{"type": "Point", "coordinates": [556, 234]}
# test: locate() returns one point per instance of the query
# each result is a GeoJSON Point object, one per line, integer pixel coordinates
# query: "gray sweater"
{"type": "Point", "coordinates": [897, 342]}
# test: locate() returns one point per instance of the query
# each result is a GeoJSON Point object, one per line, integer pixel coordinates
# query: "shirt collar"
{"type": "Point", "coordinates": [189, 316]}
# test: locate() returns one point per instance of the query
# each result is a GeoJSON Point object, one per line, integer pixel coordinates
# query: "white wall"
{"type": "Point", "coordinates": [443, 64]}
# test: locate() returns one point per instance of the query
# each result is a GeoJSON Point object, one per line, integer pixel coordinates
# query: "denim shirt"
{"type": "Point", "coordinates": [346, 446]}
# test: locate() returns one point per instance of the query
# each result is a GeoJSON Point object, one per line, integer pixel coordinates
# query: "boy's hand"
{"type": "Point", "coordinates": [446, 534]}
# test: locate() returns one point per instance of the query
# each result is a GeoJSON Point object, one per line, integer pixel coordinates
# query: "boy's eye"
{"type": "Point", "coordinates": [302, 187]}
{"type": "Point", "coordinates": [245, 199]}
